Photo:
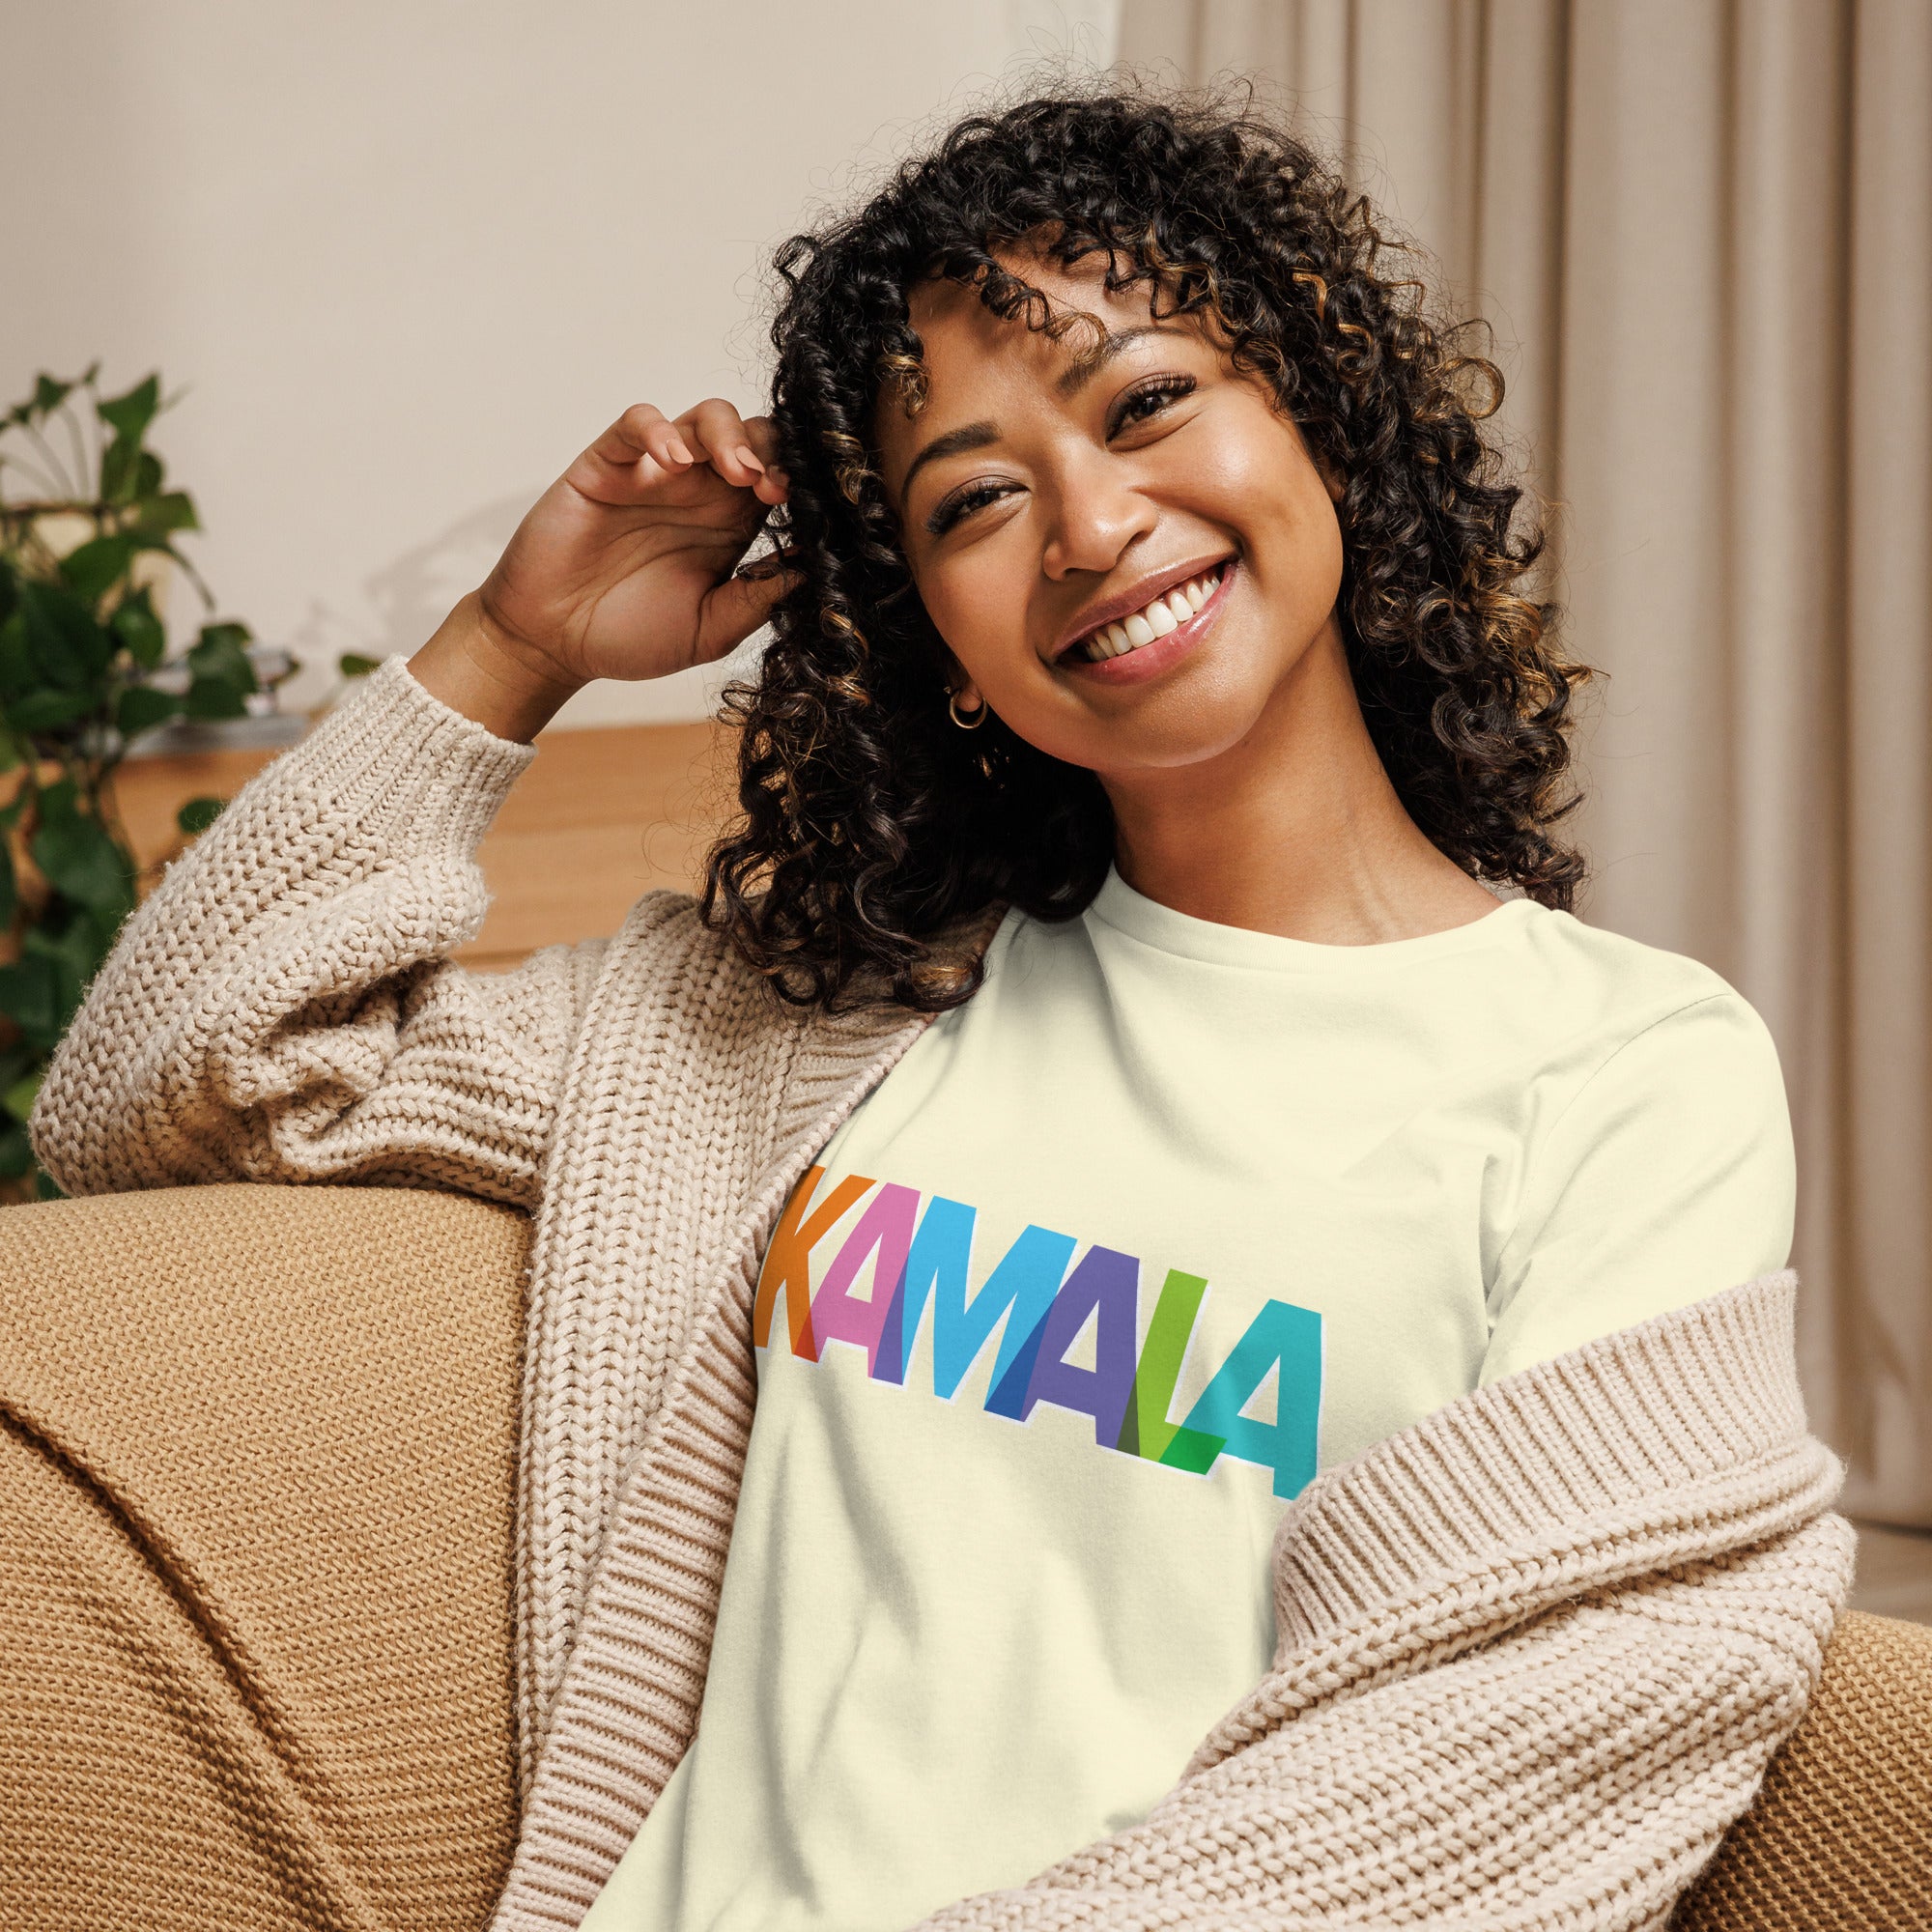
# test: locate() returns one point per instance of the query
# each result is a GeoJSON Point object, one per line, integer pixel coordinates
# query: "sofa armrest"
{"type": "Point", "coordinates": [1841, 1833]}
{"type": "Point", "coordinates": [257, 1483]}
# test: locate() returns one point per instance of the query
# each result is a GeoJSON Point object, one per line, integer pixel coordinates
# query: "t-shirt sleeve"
{"type": "Point", "coordinates": [1669, 1178]}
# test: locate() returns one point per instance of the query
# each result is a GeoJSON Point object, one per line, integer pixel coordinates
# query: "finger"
{"type": "Point", "coordinates": [631, 436]}
{"type": "Point", "coordinates": [736, 608]}
{"type": "Point", "coordinates": [762, 434]}
{"type": "Point", "coordinates": [640, 447]}
{"type": "Point", "coordinates": [667, 448]}
{"type": "Point", "coordinates": [726, 444]}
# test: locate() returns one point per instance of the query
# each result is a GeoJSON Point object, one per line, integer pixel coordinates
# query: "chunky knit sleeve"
{"type": "Point", "coordinates": [281, 1008]}
{"type": "Point", "coordinates": [1535, 1654]}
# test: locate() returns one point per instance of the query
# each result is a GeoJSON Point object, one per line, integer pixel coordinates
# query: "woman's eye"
{"type": "Point", "coordinates": [960, 503]}
{"type": "Point", "coordinates": [1139, 405]}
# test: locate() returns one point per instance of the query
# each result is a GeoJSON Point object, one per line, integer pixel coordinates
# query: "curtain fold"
{"type": "Point", "coordinates": [1702, 230]}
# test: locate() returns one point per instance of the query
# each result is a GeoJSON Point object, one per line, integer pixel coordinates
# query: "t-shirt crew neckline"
{"type": "Point", "coordinates": [1139, 918]}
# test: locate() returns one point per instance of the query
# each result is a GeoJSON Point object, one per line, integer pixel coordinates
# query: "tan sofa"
{"type": "Point", "coordinates": [256, 1500]}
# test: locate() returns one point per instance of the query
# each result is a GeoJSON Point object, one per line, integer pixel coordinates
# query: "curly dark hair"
{"type": "Point", "coordinates": [869, 824]}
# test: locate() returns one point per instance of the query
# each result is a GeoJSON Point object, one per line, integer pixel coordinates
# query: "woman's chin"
{"type": "Point", "coordinates": [1165, 738]}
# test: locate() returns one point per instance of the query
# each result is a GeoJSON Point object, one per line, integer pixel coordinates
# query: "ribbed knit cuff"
{"type": "Point", "coordinates": [1668, 1409]}
{"type": "Point", "coordinates": [407, 766]}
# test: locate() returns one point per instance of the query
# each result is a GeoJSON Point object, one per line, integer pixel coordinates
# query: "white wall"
{"type": "Point", "coordinates": [406, 256]}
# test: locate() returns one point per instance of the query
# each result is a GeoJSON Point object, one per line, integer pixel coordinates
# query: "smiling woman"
{"type": "Point", "coordinates": [1079, 355]}
{"type": "Point", "coordinates": [1113, 1341]}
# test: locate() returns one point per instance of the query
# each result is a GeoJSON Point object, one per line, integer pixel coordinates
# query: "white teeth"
{"type": "Point", "coordinates": [1166, 614]}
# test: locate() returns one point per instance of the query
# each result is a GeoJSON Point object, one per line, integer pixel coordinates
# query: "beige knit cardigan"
{"type": "Point", "coordinates": [1535, 1651]}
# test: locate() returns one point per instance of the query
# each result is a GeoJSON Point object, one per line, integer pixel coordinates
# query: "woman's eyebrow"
{"type": "Point", "coordinates": [954, 442]}
{"type": "Point", "coordinates": [1096, 358]}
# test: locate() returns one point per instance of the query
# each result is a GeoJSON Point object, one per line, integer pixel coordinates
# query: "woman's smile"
{"type": "Point", "coordinates": [1156, 634]}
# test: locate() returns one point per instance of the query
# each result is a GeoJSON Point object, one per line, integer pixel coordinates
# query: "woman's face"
{"type": "Point", "coordinates": [1129, 549]}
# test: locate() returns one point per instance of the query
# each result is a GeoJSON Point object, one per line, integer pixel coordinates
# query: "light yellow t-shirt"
{"type": "Point", "coordinates": [1165, 1218]}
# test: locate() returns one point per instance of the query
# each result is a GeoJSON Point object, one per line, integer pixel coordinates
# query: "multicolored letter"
{"type": "Point", "coordinates": [1106, 1285]}
{"type": "Point", "coordinates": [1021, 1288]}
{"type": "Point", "coordinates": [1281, 1336]}
{"type": "Point", "coordinates": [788, 1260]}
{"type": "Point", "coordinates": [838, 1315]}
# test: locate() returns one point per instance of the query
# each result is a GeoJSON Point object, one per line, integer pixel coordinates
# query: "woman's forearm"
{"type": "Point", "coordinates": [474, 668]}
{"type": "Point", "coordinates": [283, 1007]}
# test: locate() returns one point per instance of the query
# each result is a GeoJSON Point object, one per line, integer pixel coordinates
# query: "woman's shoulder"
{"type": "Point", "coordinates": [1645, 1028]}
{"type": "Point", "coordinates": [1623, 984]}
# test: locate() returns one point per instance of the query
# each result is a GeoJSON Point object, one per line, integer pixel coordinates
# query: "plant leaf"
{"type": "Point", "coordinates": [130, 415]}
{"type": "Point", "coordinates": [49, 395]}
{"type": "Point", "coordinates": [351, 664]}
{"type": "Point", "coordinates": [78, 856]}
{"type": "Point", "coordinates": [141, 707]}
{"type": "Point", "coordinates": [91, 570]}
{"type": "Point", "coordinates": [10, 896]}
{"type": "Point", "coordinates": [16, 1152]}
{"type": "Point", "coordinates": [121, 470]}
{"type": "Point", "coordinates": [46, 710]}
{"type": "Point", "coordinates": [67, 960]}
{"type": "Point", "coordinates": [18, 1098]}
{"type": "Point", "coordinates": [68, 646]}
{"type": "Point", "coordinates": [198, 815]}
{"type": "Point", "coordinates": [16, 661]}
{"type": "Point", "coordinates": [223, 676]}
{"type": "Point", "coordinates": [173, 511]}
{"type": "Point", "coordinates": [137, 627]}
{"type": "Point", "coordinates": [222, 651]}
{"type": "Point", "coordinates": [215, 697]}
{"type": "Point", "coordinates": [30, 997]}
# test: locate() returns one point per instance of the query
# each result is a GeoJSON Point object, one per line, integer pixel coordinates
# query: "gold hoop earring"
{"type": "Point", "coordinates": [972, 720]}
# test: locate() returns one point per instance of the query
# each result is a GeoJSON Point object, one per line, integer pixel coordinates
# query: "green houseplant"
{"type": "Point", "coordinates": [88, 530]}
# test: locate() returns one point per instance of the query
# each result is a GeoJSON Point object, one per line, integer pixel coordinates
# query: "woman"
{"type": "Point", "coordinates": [1132, 1098]}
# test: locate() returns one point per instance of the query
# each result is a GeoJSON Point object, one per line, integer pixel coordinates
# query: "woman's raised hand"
{"type": "Point", "coordinates": [625, 567]}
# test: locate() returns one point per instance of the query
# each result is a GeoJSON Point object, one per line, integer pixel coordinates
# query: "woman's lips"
{"type": "Point", "coordinates": [1148, 661]}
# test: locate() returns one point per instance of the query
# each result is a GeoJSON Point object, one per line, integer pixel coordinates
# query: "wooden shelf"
{"type": "Point", "coordinates": [602, 817]}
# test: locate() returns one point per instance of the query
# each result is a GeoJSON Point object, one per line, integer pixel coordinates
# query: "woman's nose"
{"type": "Point", "coordinates": [1094, 512]}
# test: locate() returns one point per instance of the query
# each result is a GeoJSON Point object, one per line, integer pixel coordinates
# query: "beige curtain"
{"type": "Point", "coordinates": [1704, 233]}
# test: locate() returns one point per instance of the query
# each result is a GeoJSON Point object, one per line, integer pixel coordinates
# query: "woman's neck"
{"type": "Point", "coordinates": [1294, 830]}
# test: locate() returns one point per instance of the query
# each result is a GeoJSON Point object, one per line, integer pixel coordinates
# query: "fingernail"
{"type": "Point", "coordinates": [750, 460]}
{"type": "Point", "coordinates": [677, 449]}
